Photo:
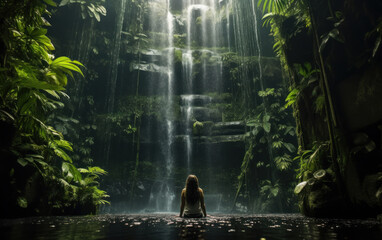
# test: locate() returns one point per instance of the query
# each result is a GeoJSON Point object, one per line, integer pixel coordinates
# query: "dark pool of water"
{"type": "Point", "coordinates": [168, 226]}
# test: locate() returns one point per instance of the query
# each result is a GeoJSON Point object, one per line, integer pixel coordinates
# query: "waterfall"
{"type": "Point", "coordinates": [180, 65]}
{"type": "Point", "coordinates": [162, 194]}
{"type": "Point", "coordinates": [169, 193]}
{"type": "Point", "coordinates": [202, 35]}
{"type": "Point", "coordinates": [228, 25]}
{"type": "Point", "coordinates": [258, 45]}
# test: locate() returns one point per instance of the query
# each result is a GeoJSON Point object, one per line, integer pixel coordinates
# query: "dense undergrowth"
{"type": "Point", "coordinates": [38, 174]}
{"type": "Point", "coordinates": [325, 48]}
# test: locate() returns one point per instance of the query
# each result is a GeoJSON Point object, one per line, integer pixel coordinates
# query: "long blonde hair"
{"type": "Point", "coordinates": [192, 189]}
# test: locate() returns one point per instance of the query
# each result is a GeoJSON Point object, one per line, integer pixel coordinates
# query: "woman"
{"type": "Point", "coordinates": [192, 199]}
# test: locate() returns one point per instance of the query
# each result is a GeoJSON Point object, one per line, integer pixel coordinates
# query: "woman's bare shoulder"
{"type": "Point", "coordinates": [200, 190]}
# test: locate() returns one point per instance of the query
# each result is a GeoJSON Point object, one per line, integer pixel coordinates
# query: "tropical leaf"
{"type": "Point", "coordinates": [71, 171]}
{"type": "Point", "coordinates": [277, 144]}
{"type": "Point", "coordinates": [276, 6]}
{"type": "Point", "coordinates": [51, 3]}
{"type": "Point", "coordinates": [283, 162]}
{"type": "Point", "coordinates": [267, 127]}
{"type": "Point", "coordinates": [64, 2]}
{"type": "Point", "coordinates": [97, 170]}
{"type": "Point", "coordinates": [292, 97]}
{"type": "Point", "coordinates": [22, 162]}
{"type": "Point", "coordinates": [291, 148]}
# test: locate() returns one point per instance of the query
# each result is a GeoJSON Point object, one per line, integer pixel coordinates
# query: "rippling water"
{"type": "Point", "coordinates": [167, 226]}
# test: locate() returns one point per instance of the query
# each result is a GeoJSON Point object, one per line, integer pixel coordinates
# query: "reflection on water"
{"type": "Point", "coordinates": [166, 226]}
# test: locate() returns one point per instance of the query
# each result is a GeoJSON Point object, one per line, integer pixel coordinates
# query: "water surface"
{"type": "Point", "coordinates": [169, 226]}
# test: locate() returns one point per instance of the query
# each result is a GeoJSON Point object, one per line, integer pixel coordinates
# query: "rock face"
{"type": "Point", "coordinates": [319, 196]}
{"type": "Point", "coordinates": [203, 128]}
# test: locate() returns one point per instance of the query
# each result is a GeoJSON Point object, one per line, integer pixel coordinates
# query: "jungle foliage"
{"type": "Point", "coordinates": [320, 50]}
{"type": "Point", "coordinates": [38, 174]}
{"type": "Point", "coordinates": [266, 181]}
{"type": "Point", "coordinates": [291, 19]}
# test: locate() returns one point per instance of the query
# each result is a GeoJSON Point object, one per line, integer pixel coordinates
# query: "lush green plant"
{"type": "Point", "coordinates": [89, 185]}
{"type": "Point", "coordinates": [310, 160]}
{"type": "Point", "coordinates": [274, 5]}
{"type": "Point", "coordinates": [268, 158]}
{"type": "Point", "coordinates": [308, 78]}
{"type": "Point", "coordinates": [32, 86]}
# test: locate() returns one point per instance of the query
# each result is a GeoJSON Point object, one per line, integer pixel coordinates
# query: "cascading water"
{"type": "Point", "coordinates": [228, 25]}
{"type": "Point", "coordinates": [202, 33]}
{"type": "Point", "coordinates": [201, 40]}
{"type": "Point", "coordinates": [186, 109]}
{"type": "Point", "coordinates": [162, 194]}
{"type": "Point", "coordinates": [248, 44]}
{"type": "Point", "coordinates": [169, 192]}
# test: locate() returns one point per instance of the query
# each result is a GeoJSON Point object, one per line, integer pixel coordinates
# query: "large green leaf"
{"type": "Point", "coordinates": [64, 144]}
{"type": "Point", "coordinates": [65, 63]}
{"type": "Point", "coordinates": [97, 170]}
{"type": "Point", "coordinates": [252, 123]}
{"type": "Point", "coordinates": [64, 2]}
{"type": "Point", "coordinates": [61, 153]}
{"type": "Point", "coordinates": [267, 127]}
{"type": "Point", "coordinates": [34, 83]}
{"type": "Point", "coordinates": [51, 3]}
{"type": "Point", "coordinates": [292, 97]}
{"type": "Point", "coordinates": [291, 148]}
{"type": "Point", "coordinates": [22, 162]}
{"type": "Point", "coordinates": [71, 171]}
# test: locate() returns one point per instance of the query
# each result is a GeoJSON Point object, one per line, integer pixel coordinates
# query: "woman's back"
{"type": "Point", "coordinates": [192, 199]}
{"type": "Point", "coordinates": [192, 208]}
